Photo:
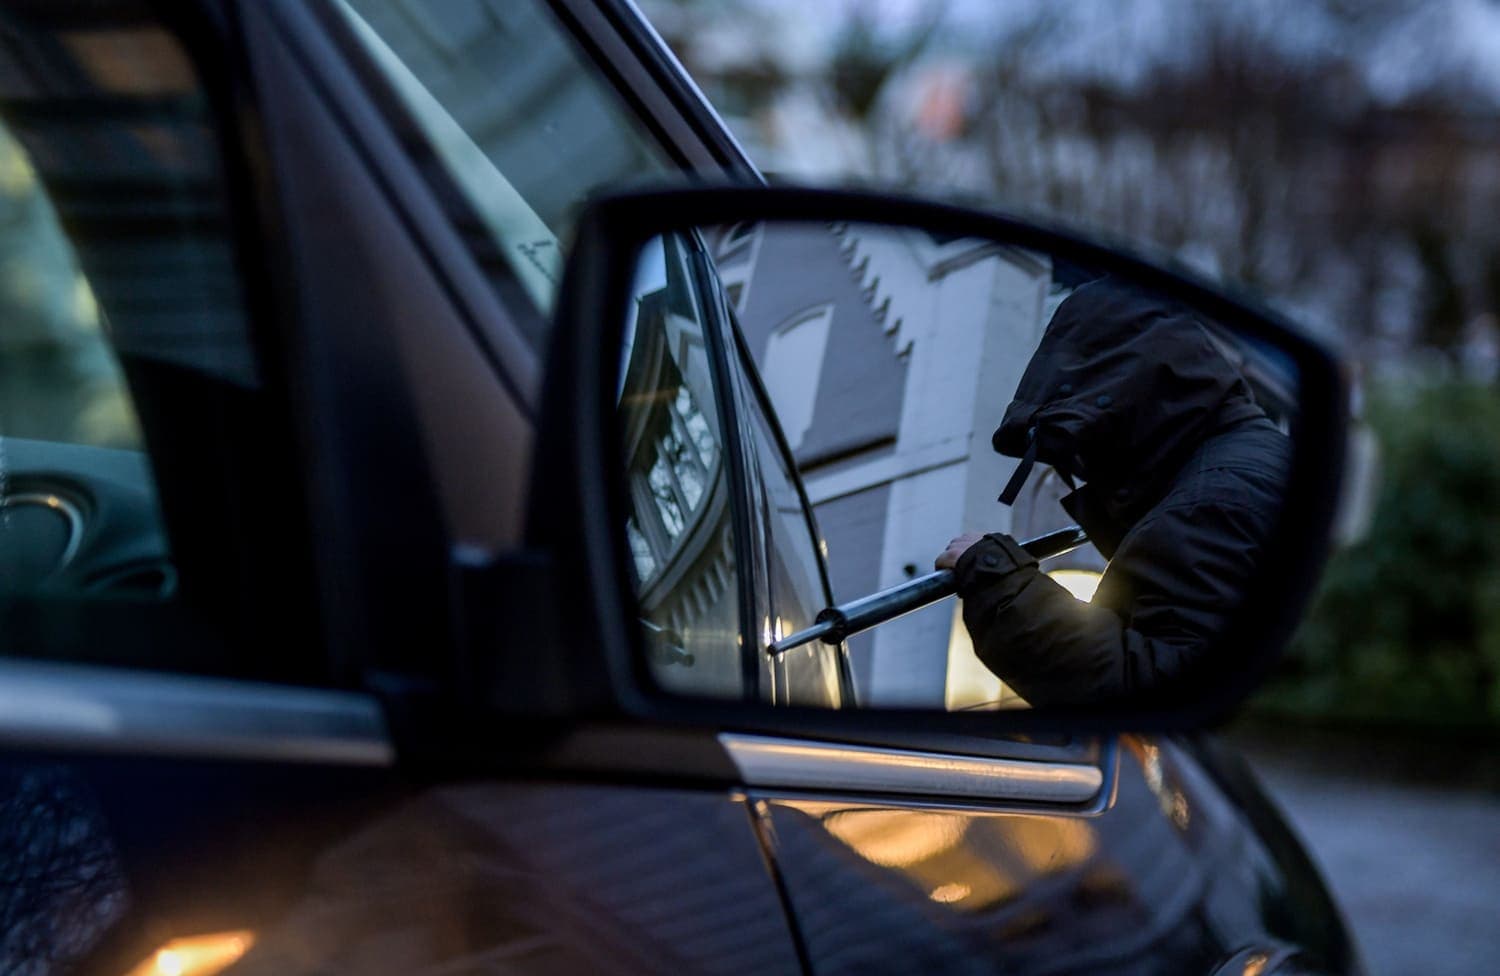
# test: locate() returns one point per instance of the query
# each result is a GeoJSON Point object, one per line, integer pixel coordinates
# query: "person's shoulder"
{"type": "Point", "coordinates": [1241, 468]}
{"type": "Point", "coordinates": [1257, 438]}
{"type": "Point", "coordinates": [1219, 510]}
{"type": "Point", "coordinates": [1256, 450]}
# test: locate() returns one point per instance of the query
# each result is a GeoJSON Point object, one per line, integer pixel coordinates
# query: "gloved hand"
{"type": "Point", "coordinates": [983, 559]}
{"type": "Point", "coordinates": [948, 558]}
{"type": "Point", "coordinates": [974, 554]}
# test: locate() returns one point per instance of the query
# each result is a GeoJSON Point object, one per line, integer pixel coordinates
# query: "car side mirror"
{"type": "Point", "coordinates": [1139, 470]}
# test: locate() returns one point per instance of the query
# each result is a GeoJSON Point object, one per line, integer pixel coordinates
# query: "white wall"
{"type": "Point", "coordinates": [969, 318]}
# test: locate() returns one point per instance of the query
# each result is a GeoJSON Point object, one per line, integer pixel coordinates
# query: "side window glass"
{"type": "Point", "coordinates": [809, 675]}
{"type": "Point", "coordinates": [815, 674]}
{"type": "Point", "coordinates": [680, 529]}
{"type": "Point", "coordinates": [521, 123]}
{"type": "Point", "coordinates": [59, 381]}
{"type": "Point", "coordinates": [62, 392]}
{"type": "Point", "coordinates": [119, 299]}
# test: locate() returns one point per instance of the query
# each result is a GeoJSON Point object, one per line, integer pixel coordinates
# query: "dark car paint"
{"type": "Point", "coordinates": [365, 870]}
{"type": "Point", "coordinates": [538, 877]}
{"type": "Point", "coordinates": [350, 871]}
{"type": "Point", "coordinates": [1168, 879]}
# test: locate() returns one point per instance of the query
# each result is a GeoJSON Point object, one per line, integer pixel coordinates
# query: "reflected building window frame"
{"type": "Point", "coordinates": [799, 343]}
{"type": "Point", "coordinates": [660, 500]}
{"type": "Point", "coordinates": [736, 251]}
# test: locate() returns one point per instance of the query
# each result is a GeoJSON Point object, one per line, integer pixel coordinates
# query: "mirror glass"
{"type": "Point", "coordinates": [844, 426]}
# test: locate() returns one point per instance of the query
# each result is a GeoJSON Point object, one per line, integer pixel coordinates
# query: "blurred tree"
{"type": "Point", "coordinates": [865, 58]}
{"type": "Point", "coordinates": [1251, 140]}
{"type": "Point", "coordinates": [1407, 625]}
{"type": "Point", "coordinates": [722, 44]}
{"type": "Point", "coordinates": [1442, 306]}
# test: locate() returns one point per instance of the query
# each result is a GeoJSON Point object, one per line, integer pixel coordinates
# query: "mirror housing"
{"type": "Point", "coordinates": [578, 500]}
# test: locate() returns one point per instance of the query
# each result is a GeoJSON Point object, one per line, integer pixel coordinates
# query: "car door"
{"type": "Point", "coordinates": [175, 734]}
{"type": "Point", "coordinates": [260, 386]}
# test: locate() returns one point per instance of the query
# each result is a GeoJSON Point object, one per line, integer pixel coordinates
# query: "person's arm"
{"type": "Point", "coordinates": [1173, 584]}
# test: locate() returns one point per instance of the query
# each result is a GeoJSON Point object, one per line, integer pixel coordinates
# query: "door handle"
{"type": "Point", "coordinates": [784, 763]}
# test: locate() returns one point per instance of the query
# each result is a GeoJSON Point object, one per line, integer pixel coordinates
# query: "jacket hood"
{"type": "Point", "coordinates": [1123, 386]}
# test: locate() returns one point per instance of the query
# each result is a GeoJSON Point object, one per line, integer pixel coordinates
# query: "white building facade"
{"type": "Point", "coordinates": [891, 357]}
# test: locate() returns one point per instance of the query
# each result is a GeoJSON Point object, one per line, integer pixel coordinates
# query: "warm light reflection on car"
{"type": "Point", "coordinates": [960, 859]}
{"type": "Point", "coordinates": [1173, 802]}
{"type": "Point", "coordinates": [197, 955]}
{"type": "Point", "coordinates": [948, 893]}
{"type": "Point", "coordinates": [896, 838]}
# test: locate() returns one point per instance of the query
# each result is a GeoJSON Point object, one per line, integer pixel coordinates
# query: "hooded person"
{"type": "Point", "coordinates": [1183, 478]}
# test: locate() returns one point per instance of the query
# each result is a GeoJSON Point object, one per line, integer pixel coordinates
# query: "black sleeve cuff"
{"type": "Point", "coordinates": [987, 561]}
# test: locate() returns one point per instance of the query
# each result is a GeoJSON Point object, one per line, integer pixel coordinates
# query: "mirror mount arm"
{"type": "Point", "coordinates": [837, 623]}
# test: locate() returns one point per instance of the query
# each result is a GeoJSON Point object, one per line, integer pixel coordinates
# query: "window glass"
{"type": "Point", "coordinates": [679, 529]}
{"type": "Point", "coordinates": [59, 381]}
{"type": "Point", "coordinates": [809, 675]}
{"type": "Point", "coordinates": [792, 590]}
{"type": "Point", "coordinates": [518, 119]}
{"type": "Point", "coordinates": [117, 283]}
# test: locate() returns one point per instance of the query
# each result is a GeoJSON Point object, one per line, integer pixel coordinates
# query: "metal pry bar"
{"type": "Point", "coordinates": [836, 624]}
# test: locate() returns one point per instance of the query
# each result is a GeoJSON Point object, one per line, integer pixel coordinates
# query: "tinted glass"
{"type": "Point", "coordinates": [518, 120]}
{"type": "Point", "coordinates": [808, 675]}
{"type": "Point", "coordinates": [118, 291]}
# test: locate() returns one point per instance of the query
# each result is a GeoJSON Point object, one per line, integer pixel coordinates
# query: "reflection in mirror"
{"type": "Point", "coordinates": [681, 544]}
{"type": "Point", "coordinates": [933, 389]}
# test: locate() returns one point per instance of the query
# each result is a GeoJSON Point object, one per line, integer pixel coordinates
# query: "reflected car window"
{"type": "Point", "coordinates": [809, 675]}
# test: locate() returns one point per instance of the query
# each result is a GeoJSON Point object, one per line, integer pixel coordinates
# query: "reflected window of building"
{"type": "Point", "coordinates": [679, 529]}
{"type": "Point", "coordinates": [793, 363]}
{"type": "Point", "coordinates": [735, 250]}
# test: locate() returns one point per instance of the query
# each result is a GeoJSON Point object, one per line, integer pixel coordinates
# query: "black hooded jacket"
{"type": "Point", "coordinates": [1184, 476]}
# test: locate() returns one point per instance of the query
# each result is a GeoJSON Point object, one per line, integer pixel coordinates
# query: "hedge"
{"type": "Point", "coordinates": [1406, 626]}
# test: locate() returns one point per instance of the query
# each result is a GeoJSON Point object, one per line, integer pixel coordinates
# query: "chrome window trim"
{"type": "Point", "coordinates": [82, 708]}
{"type": "Point", "coordinates": [767, 761]}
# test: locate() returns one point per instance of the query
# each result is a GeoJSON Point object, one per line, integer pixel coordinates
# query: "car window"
{"type": "Point", "coordinates": [59, 380]}
{"type": "Point", "coordinates": [120, 299]}
{"type": "Point", "coordinates": [809, 675]}
{"type": "Point", "coordinates": [680, 527]}
{"type": "Point", "coordinates": [521, 123]}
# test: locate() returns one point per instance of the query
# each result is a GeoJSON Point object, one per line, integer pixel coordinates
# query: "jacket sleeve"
{"type": "Point", "coordinates": [1168, 593]}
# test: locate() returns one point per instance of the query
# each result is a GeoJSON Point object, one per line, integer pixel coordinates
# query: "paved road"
{"type": "Point", "coordinates": [1414, 863]}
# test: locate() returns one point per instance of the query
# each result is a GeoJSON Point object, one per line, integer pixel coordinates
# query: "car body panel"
{"type": "Point", "coordinates": [539, 877]}
{"type": "Point", "coordinates": [1167, 879]}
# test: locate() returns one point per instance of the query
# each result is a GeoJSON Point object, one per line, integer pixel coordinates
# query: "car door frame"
{"type": "Point", "coordinates": [174, 764]}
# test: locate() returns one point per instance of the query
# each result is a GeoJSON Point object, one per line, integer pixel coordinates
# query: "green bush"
{"type": "Point", "coordinates": [1406, 626]}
